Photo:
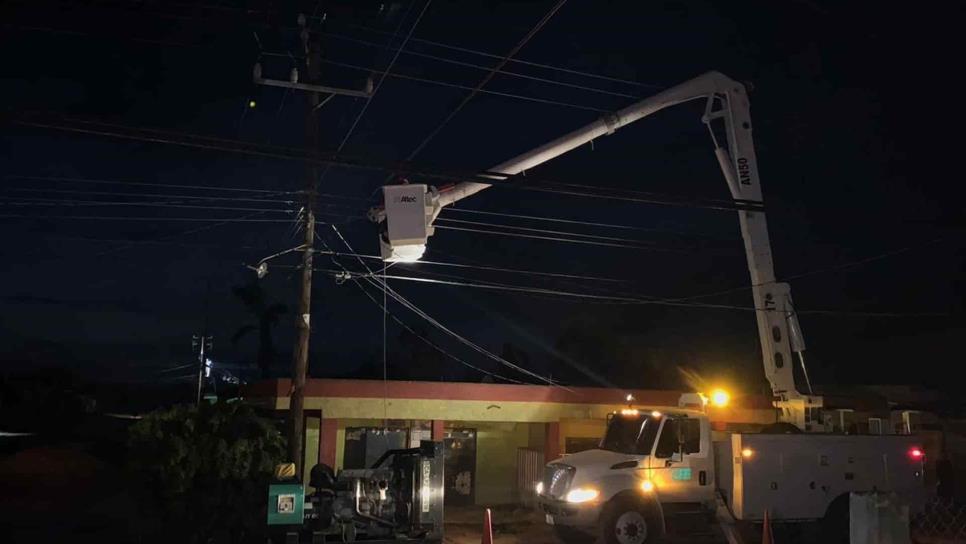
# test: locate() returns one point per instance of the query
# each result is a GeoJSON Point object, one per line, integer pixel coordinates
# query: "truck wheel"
{"type": "Point", "coordinates": [835, 524]}
{"type": "Point", "coordinates": [628, 521]}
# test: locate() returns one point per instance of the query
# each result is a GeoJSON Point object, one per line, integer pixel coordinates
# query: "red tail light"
{"type": "Point", "coordinates": [916, 454]}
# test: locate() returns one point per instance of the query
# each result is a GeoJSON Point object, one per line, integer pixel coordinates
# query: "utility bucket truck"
{"type": "Point", "coordinates": [667, 472]}
{"type": "Point", "coordinates": [654, 467]}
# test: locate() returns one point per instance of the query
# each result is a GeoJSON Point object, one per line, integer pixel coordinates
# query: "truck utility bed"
{"type": "Point", "coordinates": [797, 476]}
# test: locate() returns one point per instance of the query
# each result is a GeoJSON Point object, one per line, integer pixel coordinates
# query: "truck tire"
{"type": "Point", "coordinates": [834, 526]}
{"type": "Point", "coordinates": [627, 520]}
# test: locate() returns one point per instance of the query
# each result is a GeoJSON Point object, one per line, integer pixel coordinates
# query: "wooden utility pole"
{"type": "Point", "coordinates": [300, 361]}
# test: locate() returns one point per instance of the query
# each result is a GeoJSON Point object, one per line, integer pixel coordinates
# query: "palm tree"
{"type": "Point", "coordinates": [267, 316]}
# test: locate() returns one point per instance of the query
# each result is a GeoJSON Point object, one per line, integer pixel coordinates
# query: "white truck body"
{"type": "Point", "coordinates": [797, 476]}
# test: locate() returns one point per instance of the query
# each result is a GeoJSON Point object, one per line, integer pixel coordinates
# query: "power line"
{"type": "Point", "coordinates": [141, 183]}
{"type": "Point", "coordinates": [402, 300]}
{"type": "Point", "coordinates": [451, 85]}
{"type": "Point", "coordinates": [360, 211]}
{"type": "Point", "coordinates": [643, 244]}
{"type": "Point", "coordinates": [406, 303]}
{"type": "Point", "coordinates": [81, 203]}
{"type": "Point", "coordinates": [139, 218]}
{"type": "Point", "coordinates": [430, 343]}
{"type": "Point", "coordinates": [74, 203]}
{"type": "Point", "coordinates": [657, 302]}
{"type": "Point", "coordinates": [558, 220]}
{"type": "Point", "coordinates": [484, 68]}
{"type": "Point", "coordinates": [267, 193]}
{"type": "Point", "coordinates": [148, 195]}
{"type": "Point", "coordinates": [384, 307]}
{"type": "Point", "coordinates": [640, 200]}
{"type": "Point", "coordinates": [425, 41]}
{"type": "Point", "coordinates": [382, 78]}
{"type": "Point", "coordinates": [481, 267]}
{"type": "Point", "coordinates": [517, 61]}
{"type": "Point", "coordinates": [498, 180]}
{"type": "Point", "coordinates": [489, 76]}
{"type": "Point", "coordinates": [423, 79]}
{"type": "Point", "coordinates": [560, 239]}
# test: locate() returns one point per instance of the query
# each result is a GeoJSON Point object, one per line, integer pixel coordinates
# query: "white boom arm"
{"type": "Point", "coordinates": [727, 101]}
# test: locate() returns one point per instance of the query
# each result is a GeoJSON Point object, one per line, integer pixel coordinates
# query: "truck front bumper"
{"type": "Point", "coordinates": [583, 515]}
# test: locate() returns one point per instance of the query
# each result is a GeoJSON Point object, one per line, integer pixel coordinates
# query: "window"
{"type": "Point", "coordinates": [692, 435]}
{"type": "Point", "coordinates": [875, 425]}
{"type": "Point", "coordinates": [627, 434]}
{"type": "Point", "coordinates": [674, 430]}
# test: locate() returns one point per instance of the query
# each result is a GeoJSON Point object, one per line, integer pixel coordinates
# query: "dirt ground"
{"type": "Point", "coordinates": [464, 525]}
{"type": "Point", "coordinates": [516, 525]}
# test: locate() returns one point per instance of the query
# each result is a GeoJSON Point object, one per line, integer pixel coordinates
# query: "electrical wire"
{"type": "Point", "coordinates": [399, 298]}
{"type": "Point", "coordinates": [75, 203]}
{"type": "Point", "coordinates": [497, 180]}
{"type": "Point", "coordinates": [451, 85]}
{"type": "Point", "coordinates": [384, 307]}
{"type": "Point", "coordinates": [435, 346]}
{"type": "Point", "coordinates": [426, 80]}
{"type": "Point", "coordinates": [561, 239]}
{"type": "Point", "coordinates": [153, 219]}
{"type": "Point", "coordinates": [643, 243]}
{"type": "Point", "coordinates": [141, 183]}
{"type": "Point", "coordinates": [425, 41]}
{"type": "Point", "coordinates": [83, 203]}
{"type": "Point", "coordinates": [519, 271]}
{"type": "Point", "coordinates": [516, 60]}
{"type": "Point", "coordinates": [634, 300]}
{"type": "Point", "coordinates": [148, 195]}
{"type": "Point", "coordinates": [480, 267]}
{"type": "Point", "coordinates": [487, 78]}
{"type": "Point", "coordinates": [360, 211]}
{"type": "Point", "coordinates": [482, 67]}
{"type": "Point", "coordinates": [453, 209]}
{"type": "Point", "coordinates": [172, 369]}
{"type": "Point", "coordinates": [382, 78]}
{"type": "Point", "coordinates": [407, 304]}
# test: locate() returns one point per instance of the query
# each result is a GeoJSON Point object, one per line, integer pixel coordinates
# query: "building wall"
{"type": "Point", "coordinates": [580, 428]}
{"type": "Point", "coordinates": [311, 446]}
{"type": "Point", "coordinates": [496, 460]}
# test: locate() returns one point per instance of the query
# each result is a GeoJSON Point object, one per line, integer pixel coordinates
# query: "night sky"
{"type": "Point", "coordinates": [854, 122]}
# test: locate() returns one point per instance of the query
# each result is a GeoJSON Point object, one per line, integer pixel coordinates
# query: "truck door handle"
{"type": "Point", "coordinates": [702, 478]}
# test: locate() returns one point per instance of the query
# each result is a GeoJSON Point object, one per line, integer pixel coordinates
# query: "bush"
{"type": "Point", "coordinates": [203, 472]}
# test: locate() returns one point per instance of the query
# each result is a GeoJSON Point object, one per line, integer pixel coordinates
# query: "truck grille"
{"type": "Point", "coordinates": [556, 479]}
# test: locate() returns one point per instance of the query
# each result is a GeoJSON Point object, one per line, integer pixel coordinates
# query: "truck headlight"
{"type": "Point", "coordinates": [582, 494]}
{"type": "Point", "coordinates": [539, 488]}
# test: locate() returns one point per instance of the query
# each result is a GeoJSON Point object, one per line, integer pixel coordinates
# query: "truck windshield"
{"type": "Point", "coordinates": [630, 434]}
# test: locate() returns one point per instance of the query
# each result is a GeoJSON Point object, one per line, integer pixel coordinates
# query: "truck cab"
{"type": "Point", "coordinates": [649, 467]}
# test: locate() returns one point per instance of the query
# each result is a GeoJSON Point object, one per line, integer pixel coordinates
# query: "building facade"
{"type": "Point", "coordinates": [497, 436]}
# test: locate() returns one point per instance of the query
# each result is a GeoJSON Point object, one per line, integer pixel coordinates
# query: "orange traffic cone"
{"type": "Point", "coordinates": [766, 535]}
{"type": "Point", "coordinates": [487, 527]}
